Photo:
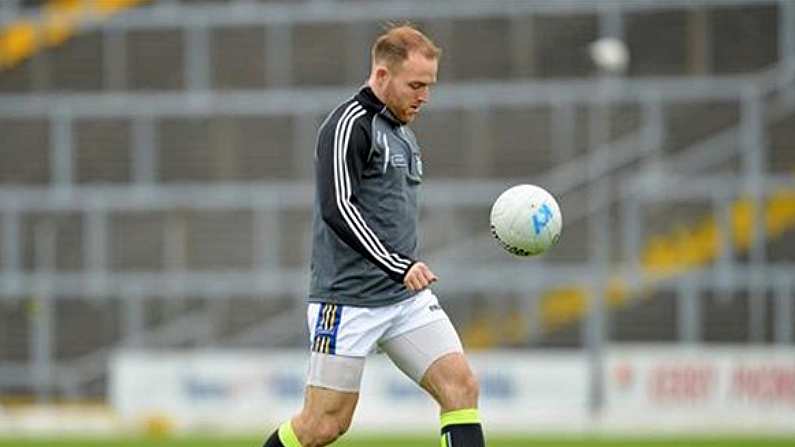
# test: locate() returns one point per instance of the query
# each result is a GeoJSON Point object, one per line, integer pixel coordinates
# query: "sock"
{"type": "Point", "coordinates": [461, 428]}
{"type": "Point", "coordinates": [283, 437]}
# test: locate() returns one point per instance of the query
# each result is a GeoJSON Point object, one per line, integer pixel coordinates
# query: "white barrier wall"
{"type": "Point", "coordinates": [733, 388]}
{"type": "Point", "coordinates": [647, 388]}
{"type": "Point", "coordinates": [241, 390]}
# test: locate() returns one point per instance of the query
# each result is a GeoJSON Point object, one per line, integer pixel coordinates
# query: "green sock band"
{"type": "Point", "coordinates": [456, 417]}
{"type": "Point", "coordinates": [287, 435]}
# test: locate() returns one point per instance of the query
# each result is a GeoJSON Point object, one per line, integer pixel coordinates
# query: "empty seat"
{"type": "Point", "coordinates": [522, 142]}
{"type": "Point", "coordinates": [479, 49]}
{"type": "Point", "coordinates": [744, 39]}
{"type": "Point", "coordinates": [781, 149]}
{"type": "Point", "coordinates": [25, 151]}
{"type": "Point", "coordinates": [225, 148]}
{"type": "Point", "coordinates": [136, 241]}
{"type": "Point", "coordinates": [658, 43]}
{"type": "Point", "coordinates": [155, 60]}
{"type": "Point", "coordinates": [219, 240]}
{"type": "Point", "coordinates": [561, 45]}
{"type": "Point", "coordinates": [15, 327]}
{"type": "Point", "coordinates": [59, 237]}
{"type": "Point", "coordinates": [710, 116]}
{"type": "Point", "coordinates": [83, 326]}
{"type": "Point", "coordinates": [295, 238]}
{"type": "Point", "coordinates": [237, 58]}
{"type": "Point", "coordinates": [78, 65]}
{"type": "Point", "coordinates": [102, 151]}
{"type": "Point", "coordinates": [319, 54]}
{"type": "Point", "coordinates": [652, 319]}
{"type": "Point", "coordinates": [725, 317]}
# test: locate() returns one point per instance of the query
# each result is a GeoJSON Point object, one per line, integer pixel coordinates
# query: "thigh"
{"type": "Point", "coordinates": [416, 352]}
{"type": "Point", "coordinates": [335, 372]}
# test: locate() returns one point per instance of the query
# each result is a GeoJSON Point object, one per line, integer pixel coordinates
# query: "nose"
{"type": "Point", "coordinates": [424, 95]}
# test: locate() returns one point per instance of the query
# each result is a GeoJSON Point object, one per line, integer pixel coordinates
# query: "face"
{"type": "Point", "coordinates": [407, 88]}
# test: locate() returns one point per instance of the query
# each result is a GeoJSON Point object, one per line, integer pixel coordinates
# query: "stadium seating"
{"type": "Point", "coordinates": [460, 144]}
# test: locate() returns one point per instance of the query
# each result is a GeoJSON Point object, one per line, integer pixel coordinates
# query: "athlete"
{"type": "Point", "coordinates": [368, 289]}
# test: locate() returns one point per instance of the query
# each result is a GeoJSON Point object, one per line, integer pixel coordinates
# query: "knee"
{"type": "Point", "coordinates": [324, 430]}
{"type": "Point", "coordinates": [461, 392]}
{"type": "Point", "coordinates": [470, 389]}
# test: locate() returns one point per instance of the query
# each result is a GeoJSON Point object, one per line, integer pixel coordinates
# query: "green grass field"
{"type": "Point", "coordinates": [419, 442]}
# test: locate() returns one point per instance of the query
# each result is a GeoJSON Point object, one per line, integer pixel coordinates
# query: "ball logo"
{"type": "Point", "coordinates": [541, 218]}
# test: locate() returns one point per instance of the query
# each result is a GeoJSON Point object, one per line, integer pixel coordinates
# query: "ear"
{"type": "Point", "coordinates": [382, 74]}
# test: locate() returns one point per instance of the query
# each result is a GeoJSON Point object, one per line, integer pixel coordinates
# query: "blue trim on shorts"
{"type": "Point", "coordinates": [327, 326]}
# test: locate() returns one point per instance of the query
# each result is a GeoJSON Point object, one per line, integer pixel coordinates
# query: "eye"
{"type": "Point", "coordinates": [416, 85]}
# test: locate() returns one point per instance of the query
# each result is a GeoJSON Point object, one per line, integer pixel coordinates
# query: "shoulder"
{"type": "Point", "coordinates": [350, 114]}
{"type": "Point", "coordinates": [348, 125]}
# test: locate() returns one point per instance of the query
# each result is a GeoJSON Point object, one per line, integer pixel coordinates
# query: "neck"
{"type": "Point", "coordinates": [376, 91]}
{"type": "Point", "coordinates": [381, 95]}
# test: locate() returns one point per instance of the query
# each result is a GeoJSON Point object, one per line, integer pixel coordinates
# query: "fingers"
{"type": "Point", "coordinates": [430, 277]}
{"type": "Point", "coordinates": [419, 277]}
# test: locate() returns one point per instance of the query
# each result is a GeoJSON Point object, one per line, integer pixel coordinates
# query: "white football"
{"type": "Point", "coordinates": [610, 54]}
{"type": "Point", "coordinates": [526, 220]}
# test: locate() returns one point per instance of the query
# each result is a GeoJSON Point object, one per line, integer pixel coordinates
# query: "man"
{"type": "Point", "coordinates": [368, 290]}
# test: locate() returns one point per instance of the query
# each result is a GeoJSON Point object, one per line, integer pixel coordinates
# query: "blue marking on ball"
{"type": "Point", "coordinates": [541, 218]}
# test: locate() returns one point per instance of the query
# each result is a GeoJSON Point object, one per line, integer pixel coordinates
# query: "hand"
{"type": "Point", "coordinates": [419, 277]}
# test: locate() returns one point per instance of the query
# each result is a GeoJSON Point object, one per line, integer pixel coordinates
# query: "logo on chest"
{"type": "Point", "coordinates": [398, 160]}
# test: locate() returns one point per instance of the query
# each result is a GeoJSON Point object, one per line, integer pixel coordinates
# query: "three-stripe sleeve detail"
{"type": "Point", "coordinates": [342, 184]}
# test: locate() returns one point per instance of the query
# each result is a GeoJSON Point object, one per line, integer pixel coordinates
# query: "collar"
{"type": "Point", "coordinates": [367, 97]}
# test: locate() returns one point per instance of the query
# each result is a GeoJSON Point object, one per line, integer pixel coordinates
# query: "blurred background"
{"type": "Point", "coordinates": [155, 209]}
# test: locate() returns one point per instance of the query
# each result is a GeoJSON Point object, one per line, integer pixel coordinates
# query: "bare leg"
{"type": "Point", "coordinates": [326, 415]}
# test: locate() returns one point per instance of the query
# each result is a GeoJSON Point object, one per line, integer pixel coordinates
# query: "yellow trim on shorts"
{"type": "Point", "coordinates": [332, 313]}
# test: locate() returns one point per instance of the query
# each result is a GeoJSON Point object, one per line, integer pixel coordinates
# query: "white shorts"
{"type": "Point", "coordinates": [413, 332]}
{"type": "Point", "coordinates": [357, 331]}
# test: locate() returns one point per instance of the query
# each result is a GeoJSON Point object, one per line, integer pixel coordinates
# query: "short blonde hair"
{"type": "Point", "coordinates": [394, 46]}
